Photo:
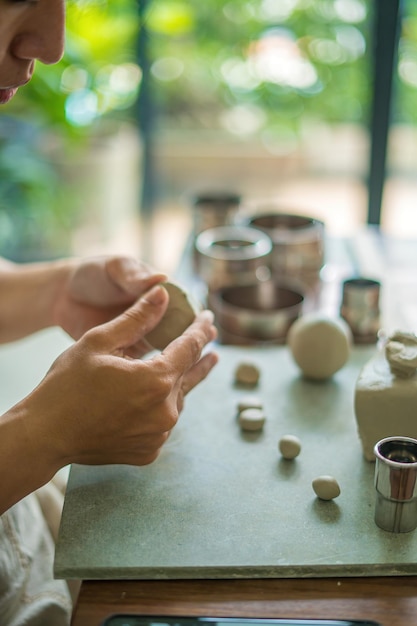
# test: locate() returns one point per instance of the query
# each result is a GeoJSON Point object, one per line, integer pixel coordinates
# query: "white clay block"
{"type": "Point", "coordinates": [289, 446]}
{"type": "Point", "coordinates": [252, 419]}
{"type": "Point", "coordinates": [247, 373]}
{"type": "Point", "coordinates": [326, 487]}
{"type": "Point", "coordinates": [385, 405]}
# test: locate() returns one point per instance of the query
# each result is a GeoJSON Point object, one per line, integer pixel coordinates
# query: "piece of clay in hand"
{"type": "Point", "coordinates": [180, 313]}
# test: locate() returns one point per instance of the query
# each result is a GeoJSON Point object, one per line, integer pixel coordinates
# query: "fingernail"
{"type": "Point", "coordinates": [207, 315]}
{"type": "Point", "coordinates": [155, 295]}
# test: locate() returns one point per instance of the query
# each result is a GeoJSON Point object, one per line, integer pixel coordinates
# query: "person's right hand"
{"type": "Point", "coordinates": [96, 405]}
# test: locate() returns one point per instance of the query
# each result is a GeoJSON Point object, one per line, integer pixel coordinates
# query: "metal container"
{"type": "Point", "coordinates": [298, 244]}
{"type": "Point", "coordinates": [396, 484]}
{"type": "Point", "coordinates": [213, 209]}
{"type": "Point", "coordinates": [255, 313]}
{"type": "Point", "coordinates": [230, 255]}
{"type": "Point", "coordinates": [360, 308]}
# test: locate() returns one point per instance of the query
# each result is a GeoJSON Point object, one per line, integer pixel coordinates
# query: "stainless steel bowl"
{"type": "Point", "coordinates": [298, 244]}
{"type": "Point", "coordinates": [256, 313]}
{"type": "Point", "coordinates": [230, 255]}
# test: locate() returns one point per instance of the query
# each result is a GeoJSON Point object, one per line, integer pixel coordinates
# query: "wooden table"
{"type": "Point", "coordinates": [392, 601]}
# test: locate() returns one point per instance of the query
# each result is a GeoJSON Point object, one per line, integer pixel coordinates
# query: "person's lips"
{"type": "Point", "coordinates": [7, 94]}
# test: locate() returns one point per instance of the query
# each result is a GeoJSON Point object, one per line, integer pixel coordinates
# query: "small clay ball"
{"type": "Point", "coordinates": [319, 344]}
{"type": "Point", "coordinates": [252, 419]}
{"type": "Point", "coordinates": [326, 487]}
{"type": "Point", "coordinates": [249, 402]}
{"type": "Point", "coordinates": [289, 446]}
{"type": "Point", "coordinates": [247, 373]}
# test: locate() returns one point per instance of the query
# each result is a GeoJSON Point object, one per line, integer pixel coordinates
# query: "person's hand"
{"type": "Point", "coordinates": [96, 405]}
{"type": "Point", "coordinates": [97, 290]}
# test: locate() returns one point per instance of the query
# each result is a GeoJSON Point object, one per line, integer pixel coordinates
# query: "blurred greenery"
{"type": "Point", "coordinates": [275, 63]}
{"type": "Point", "coordinates": [404, 106]}
{"type": "Point", "coordinates": [232, 63]}
{"type": "Point", "coordinates": [33, 205]}
{"type": "Point", "coordinates": [261, 68]}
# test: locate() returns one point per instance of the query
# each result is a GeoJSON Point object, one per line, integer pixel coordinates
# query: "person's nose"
{"type": "Point", "coordinates": [43, 38]}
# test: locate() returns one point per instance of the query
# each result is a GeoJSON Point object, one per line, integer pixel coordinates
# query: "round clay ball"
{"type": "Point", "coordinates": [289, 446]}
{"type": "Point", "coordinates": [249, 402]}
{"type": "Point", "coordinates": [319, 344]}
{"type": "Point", "coordinates": [247, 374]}
{"type": "Point", "coordinates": [179, 315]}
{"type": "Point", "coordinates": [326, 487]}
{"type": "Point", "coordinates": [252, 419]}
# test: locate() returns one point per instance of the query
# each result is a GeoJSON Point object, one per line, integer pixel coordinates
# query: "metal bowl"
{"type": "Point", "coordinates": [230, 255]}
{"type": "Point", "coordinates": [259, 312]}
{"type": "Point", "coordinates": [298, 243]}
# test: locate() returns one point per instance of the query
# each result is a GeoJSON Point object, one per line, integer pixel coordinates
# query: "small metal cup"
{"type": "Point", "coordinates": [360, 308]}
{"type": "Point", "coordinates": [396, 484]}
{"type": "Point", "coordinates": [214, 209]}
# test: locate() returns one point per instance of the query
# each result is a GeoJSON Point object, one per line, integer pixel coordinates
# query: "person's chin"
{"type": "Point", "coordinates": [7, 94]}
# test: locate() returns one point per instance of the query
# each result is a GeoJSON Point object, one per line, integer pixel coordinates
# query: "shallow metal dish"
{"type": "Point", "coordinates": [257, 312]}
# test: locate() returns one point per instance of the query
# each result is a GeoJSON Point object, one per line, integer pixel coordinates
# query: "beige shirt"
{"type": "Point", "coordinates": [29, 595]}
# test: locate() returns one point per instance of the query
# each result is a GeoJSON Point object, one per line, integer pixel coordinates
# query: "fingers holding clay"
{"type": "Point", "coordinates": [181, 312]}
{"type": "Point", "coordinates": [319, 344]}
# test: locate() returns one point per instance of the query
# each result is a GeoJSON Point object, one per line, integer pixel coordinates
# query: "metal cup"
{"type": "Point", "coordinates": [396, 484]}
{"type": "Point", "coordinates": [360, 308]}
{"type": "Point", "coordinates": [214, 209]}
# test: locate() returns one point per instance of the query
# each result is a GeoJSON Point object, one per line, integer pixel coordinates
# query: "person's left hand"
{"type": "Point", "coordinates": [98, 289]}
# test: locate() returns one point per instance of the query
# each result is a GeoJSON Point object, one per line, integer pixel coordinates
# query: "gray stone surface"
{"type": "Point", "coordinates": [220, 503]}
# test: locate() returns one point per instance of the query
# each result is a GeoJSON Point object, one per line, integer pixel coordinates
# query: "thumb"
{"type": "Point", "coordinates": [138, 320]}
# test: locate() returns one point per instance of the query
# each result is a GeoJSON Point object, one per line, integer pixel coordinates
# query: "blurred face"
{"type": "Point", "coordinates": [30, 30]}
